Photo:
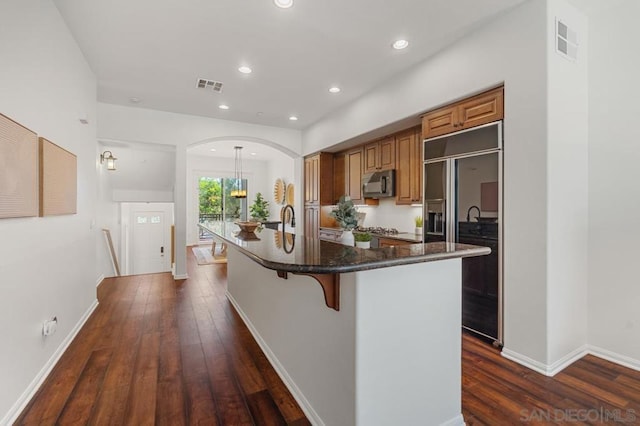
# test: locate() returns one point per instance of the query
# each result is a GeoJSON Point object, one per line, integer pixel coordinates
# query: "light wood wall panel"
{"type": "Point", "coordinates": [18, 170]}
{"type": "Point", "coordinates": [58, 180]}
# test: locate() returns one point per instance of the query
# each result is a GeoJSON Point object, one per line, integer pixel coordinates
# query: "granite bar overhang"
{"type": "Point", "coordinates": [285, 252]}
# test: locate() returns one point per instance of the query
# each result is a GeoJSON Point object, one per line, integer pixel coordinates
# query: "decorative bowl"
{"type": "Point", "coordinates": [247, 236]}
{"type": "Point", "coordinates": [248, 226]}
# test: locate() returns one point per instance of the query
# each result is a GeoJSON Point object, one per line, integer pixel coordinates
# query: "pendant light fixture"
{"type": "Point", "coordinates": [238, 191]}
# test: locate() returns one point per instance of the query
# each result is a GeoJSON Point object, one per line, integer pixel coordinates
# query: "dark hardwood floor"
{"type": "Point", "coordinates": [161, 352]}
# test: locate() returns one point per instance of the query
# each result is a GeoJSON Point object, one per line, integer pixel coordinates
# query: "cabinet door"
{"type": "Point", "coordinates": [353, 166]}
{"type": "Point", "coordinates": [440, 122]}
{"type": "Point", "coordinates": [339, 177]}
{"type": "Point", "coordinates": [408, 167]}
{"type": "Point", "coordinates": [417, 167]}
{"type": "Point", "coordinates": [387, 154]}
{"type": "Point", "coordinates": [390, 242]}
{"type": "Point", "coordinates": [311, 179]}
{"type": "Point", "coordinates": [311, 221]}
{"type": "Point", "coordinates": [371, 160]}
{"type": "Point", "coordinates": [325, 176]}
{"type": "Point", "coordinates": [404, 151]}
{"type": "Point", "coordinates": [484, 108]}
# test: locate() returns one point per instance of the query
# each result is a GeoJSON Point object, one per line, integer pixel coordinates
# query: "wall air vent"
{"type": "Point", "coordinates": [566, 41]}
{"type": "Point", "coordinates": [203, 83]}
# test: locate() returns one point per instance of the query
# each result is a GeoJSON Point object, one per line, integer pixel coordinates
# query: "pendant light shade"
{"type": "Point", "coordinates": [238, 191]}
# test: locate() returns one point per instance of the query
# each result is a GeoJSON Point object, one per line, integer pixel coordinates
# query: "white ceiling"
{"type": "Point", "coordinates": [253, 151]}
{"type": "Point", "coordinates": [154, 50]}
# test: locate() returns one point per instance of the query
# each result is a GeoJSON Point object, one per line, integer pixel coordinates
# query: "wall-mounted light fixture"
{"type": "Point", "coordinates": [109, 158]}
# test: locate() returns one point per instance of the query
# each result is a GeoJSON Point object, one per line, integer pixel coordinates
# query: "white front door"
{"type": "Point", "coordinates": [150, 251]}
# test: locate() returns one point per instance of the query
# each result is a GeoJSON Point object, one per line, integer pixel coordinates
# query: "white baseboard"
{"type": "Point", "coordinates": [99, 280]}
{"type": "Point", "coordinates": [614, 357]}
{"type": "Point", "coordinates": [35, 384]}
{"type": "Point", "coordinates": [297, 394]}
{"type": "Point", "coordinates": [548, 370]}
{"type": "Point", "coordinates": [180, 276]}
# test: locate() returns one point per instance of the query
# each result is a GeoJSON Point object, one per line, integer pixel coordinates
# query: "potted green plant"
{"type": "Point", "coordinates": [419, 222]}
{"type": "Point", "coordinates": [347, 217]}
{"type": "Point", "coordinates": [259, 209]}
{"type": "Point", "coordinates": [363, 239]}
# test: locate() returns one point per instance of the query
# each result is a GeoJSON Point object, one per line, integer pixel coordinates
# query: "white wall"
{"type": "Point", "coordinates": [614, 197]}
{"type": "Point", "coordinates": [255, 172]}
{"type": "Point", "coordinates": [511, 49]}
{"type": "Point", "coordinates": [567, 190]}
{"type": "Point", "coordinates": [282, 168]}
{"type": "Point", "coordinates": [48, 264]}
{"type": "Point", "coordinates": [127, 124]}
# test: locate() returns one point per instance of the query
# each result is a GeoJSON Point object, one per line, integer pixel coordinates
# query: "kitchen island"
{"type": "Point", "coordinates": [376, 343]}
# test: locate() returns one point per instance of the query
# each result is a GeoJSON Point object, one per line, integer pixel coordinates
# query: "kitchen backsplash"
{"type": "Point", "coordinates": [387, 215]}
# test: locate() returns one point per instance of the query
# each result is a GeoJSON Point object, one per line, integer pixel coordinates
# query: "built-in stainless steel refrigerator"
{"type": "Point", "coordinates": [463, 204]}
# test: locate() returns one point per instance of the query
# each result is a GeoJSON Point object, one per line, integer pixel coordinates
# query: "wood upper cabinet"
{"type": "Point", "coordinates": [380, 155]}
{"type": "Point", "coordinates": [475, 111]}
{"type": "Point", "coordinates": [409, 167]}
{"type": "Point", "coordinates": [318, 179]}
{"type": "Point", "coordinates": [339, 176]}
{"type": "Point", "coordinates": [353, 162]}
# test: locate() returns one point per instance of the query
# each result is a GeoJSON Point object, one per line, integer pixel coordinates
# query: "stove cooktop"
{"type": "Point", "coordinates": [378, 230]}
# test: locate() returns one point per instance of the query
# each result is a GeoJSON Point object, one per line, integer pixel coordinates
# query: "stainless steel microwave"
{"type": "Point", "coordinates": [379, 184]}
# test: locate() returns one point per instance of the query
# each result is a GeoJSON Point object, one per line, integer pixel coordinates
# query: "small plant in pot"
{"type": "Point", "coordinates": [419, 222]}
{"type": "Point", "coordinates": [347, 217]}
{"type": "Point", "coordinates": [363, 239]}
{"type": "Point", "coordinates": [259, 209]}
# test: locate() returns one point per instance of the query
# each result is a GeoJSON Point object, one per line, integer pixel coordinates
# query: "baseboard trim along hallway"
{"type": "Point", "coordinates": [35, 384]}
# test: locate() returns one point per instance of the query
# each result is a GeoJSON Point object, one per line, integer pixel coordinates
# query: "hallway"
{"type": "Point", "coordinates": [164, 352]}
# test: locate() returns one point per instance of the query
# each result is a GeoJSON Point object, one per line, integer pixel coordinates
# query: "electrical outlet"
{"type": "Point", "coordinates": [49, 327]}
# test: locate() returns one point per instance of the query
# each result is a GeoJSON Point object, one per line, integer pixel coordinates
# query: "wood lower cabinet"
{"type": "Point", "coordinates": [380, 155]}
{"type": "Point", "coordinates": [390, 242]}
{"type": "Point", "coordinates": [409, 167]}
{"type": "Point", "coordinates": [312, 221]}
{"type": "Point", "coordinates": [475, 111]}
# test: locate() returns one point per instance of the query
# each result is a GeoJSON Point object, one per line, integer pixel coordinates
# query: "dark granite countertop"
{"type": "Point", "coordinates": [296, 253]}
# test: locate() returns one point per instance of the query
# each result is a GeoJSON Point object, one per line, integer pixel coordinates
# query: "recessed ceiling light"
{"type": "Point", "coordinates": [259, 113]}
{"type": "Point", "coordinates": [223, 106]}
{"type": "Point", "coordinates": [334, 89]}
{"type": "Point", "coordinates": [400, 44]}
{"type": "Point", "coordinates": [253, 153]}
{"type": "Point", "coordinates": [134, 100]}
{"type": "Point", "coordinates": [245, 70]}
{"type": "Point", "coordinates": [293, 118]}
{"type": "Point", "coordinates": [213, 150]}
{"type": "Point", "coordinates": [284, 4]}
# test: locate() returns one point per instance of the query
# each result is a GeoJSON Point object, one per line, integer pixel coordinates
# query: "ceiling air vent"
{"type": "Point", "coordinates": [566, 41]}
{"type": "Point", "coordinates": [203, 83]}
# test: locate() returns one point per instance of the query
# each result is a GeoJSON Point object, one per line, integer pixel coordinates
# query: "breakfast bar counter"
{"type": "Point", "coordinates": [389, 350]}
{"type": "Point", "coordinates": [297, 253]}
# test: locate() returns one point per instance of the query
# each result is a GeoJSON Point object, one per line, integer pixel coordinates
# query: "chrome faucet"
{"type": "Point", "coordinates": [469, 211]}
{"type": "Point", "coordinates": [283, 215]}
